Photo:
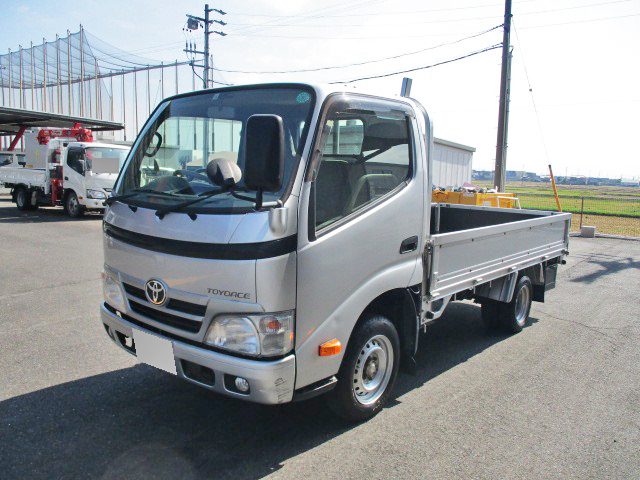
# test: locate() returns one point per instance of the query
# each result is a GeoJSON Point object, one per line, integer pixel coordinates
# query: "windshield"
{"type": "Point", "coordinates": [168, 166]}
{"type": "Point", "coordinates": [103, 152]}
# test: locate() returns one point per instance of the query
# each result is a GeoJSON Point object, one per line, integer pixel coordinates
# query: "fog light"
{"type": "Point", "coordinates": [242, 384]}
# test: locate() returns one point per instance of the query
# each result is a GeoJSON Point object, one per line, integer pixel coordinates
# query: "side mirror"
{"type": "Point", "coordinates": [83, 166]}
{"type": "Point", "coordinates": [264, 164]}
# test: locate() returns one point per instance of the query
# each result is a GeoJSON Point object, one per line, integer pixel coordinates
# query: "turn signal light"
{"type": "Point", "coordinates": [332, 347]}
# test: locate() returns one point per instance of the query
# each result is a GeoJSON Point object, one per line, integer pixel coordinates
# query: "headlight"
{"type": "Point", "coordinates": [264, 335]}
{"type": "Point", "coordinates": [96, 194]}
{"type": "Point", "coordinates": [112, 292]}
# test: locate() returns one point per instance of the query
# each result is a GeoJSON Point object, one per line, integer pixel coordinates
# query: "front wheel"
{"type": "Point", "coordinates": [72, 205]}
{"type": "Point", "coordinates": [368, 371]}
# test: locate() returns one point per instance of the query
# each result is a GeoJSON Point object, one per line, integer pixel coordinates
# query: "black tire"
{"type": "Point", "coordinates": [72, 206]}
{"type": "Point", "coordinates": [21, 196]}
{"type": "Point", "coordinates": [490, 314]}
{"type": "Point", "coordinates": [367, 375]}
{"type": "Point", "coordinates": [514, 315]}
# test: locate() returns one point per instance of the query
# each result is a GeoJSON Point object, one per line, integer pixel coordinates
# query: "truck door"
{"type": "Point", "coordinates": [73, 172]}
{"type": "Point", "coordinates": [365, 221]}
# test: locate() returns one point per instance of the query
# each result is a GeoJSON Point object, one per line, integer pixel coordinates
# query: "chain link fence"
{"type": "Point", "coordinates": [617, 215]}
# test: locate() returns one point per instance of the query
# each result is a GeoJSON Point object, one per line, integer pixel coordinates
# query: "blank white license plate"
{"type": "Point", "coordinates": [154, 351]}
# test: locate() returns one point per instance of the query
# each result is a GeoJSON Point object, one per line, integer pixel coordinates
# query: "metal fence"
{"type": "Point", "coordinates": [616, 215]}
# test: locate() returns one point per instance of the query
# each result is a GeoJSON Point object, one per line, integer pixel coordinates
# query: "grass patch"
{"type": "Point", "coordinates": [566, 190]}
{"type": "Point", "coordinates": [623, 207]}
{"type": "Point", "coordinates": [626, 226]}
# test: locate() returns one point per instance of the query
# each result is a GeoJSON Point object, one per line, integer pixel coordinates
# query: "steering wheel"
{"type": "Point", "coordinates": [190, 175]}
{"type": "Point", "coordinates": [155, 150]}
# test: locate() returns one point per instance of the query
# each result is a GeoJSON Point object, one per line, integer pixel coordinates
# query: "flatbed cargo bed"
{"type": "Point", "coordinates": [473, 245]}
{"type": "Point", "coordinates": [31, 177]}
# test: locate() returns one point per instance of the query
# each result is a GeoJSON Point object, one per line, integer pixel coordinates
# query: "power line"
{"type": "Point", "coordinates": [386, 24]}
{"type": "Point", "coordinates": [391, 13]}
{"type": "Point", "coordinates": [422, 36]}
{"type": "Point", "coordinates": [533, 100]}
{"type": "Point", "coordinates": [366, 62]}
{"type": "Point", "coordinates": [159, 47]}
{"type": "Point", "coordinates": [477, 52]}
{"type": "Point", "coordinates": [580, 21]}
{"type": "Point", "coordinates": [301, 18]}
{"type": "Point", "coordinates": [370, 37]}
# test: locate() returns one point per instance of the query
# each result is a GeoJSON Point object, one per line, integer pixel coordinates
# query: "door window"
{"type": "Point", "coordinates": [365, 156]}
{"type": "Point", "coordinates": [74, 157]}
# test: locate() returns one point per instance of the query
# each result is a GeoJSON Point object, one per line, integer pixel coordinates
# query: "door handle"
{"type": "Point", "coordinates": [66, 178]}
{"type": "Point", "coordinates": [409, 244]}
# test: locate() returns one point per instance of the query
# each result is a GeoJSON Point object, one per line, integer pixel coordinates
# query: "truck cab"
{"type": "Point", "coordinates": [57, 168]}
{"type": "Point", "coordinates": [86, 181]}
{"type": "Point", "coordinates": [275, 242]}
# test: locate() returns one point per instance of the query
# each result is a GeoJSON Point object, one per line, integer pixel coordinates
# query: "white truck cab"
{"type": "Point", "coordinates": [86, 188]}
{"type": "Point", "coordinates": [275, 242]}
{"type": "Point", "coordinates": [60, 170]}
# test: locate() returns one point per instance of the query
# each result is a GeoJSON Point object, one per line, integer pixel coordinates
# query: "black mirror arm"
{"type": "Point", "coordinates": [259, 203]}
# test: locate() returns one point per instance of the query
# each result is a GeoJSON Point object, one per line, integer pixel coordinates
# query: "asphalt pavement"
{"type": "Point", "coordinates": [559, 400]}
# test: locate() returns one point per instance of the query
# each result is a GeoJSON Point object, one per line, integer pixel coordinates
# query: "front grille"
{"type": "Point", "coordinates": [166, 318]}
{"type": "Point", "coordinates": [134, 291]}
{"type": "Point", "coordinates": [173, 304]}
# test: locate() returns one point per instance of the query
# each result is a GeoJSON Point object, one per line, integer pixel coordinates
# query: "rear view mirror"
{"type": "Point", "coordinates": [223, 172]}
{"type": "Point", "coordinates": [264, 164]}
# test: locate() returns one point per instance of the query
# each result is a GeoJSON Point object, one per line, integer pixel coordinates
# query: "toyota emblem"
{"type": "Point", "coordinates": [155, 292]}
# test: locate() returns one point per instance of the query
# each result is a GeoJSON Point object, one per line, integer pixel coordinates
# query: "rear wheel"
{"type": "Point", "coordinates": [368, 371]}
{"type": "Point", "coordinates": [22, 198]}
{"type": "Point", "coordinates": [72, 205]}
{"type": "Point", "coordinates": [514, 315]}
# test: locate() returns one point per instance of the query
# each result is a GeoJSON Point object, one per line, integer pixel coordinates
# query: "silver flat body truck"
{"type": "Point", "coordinates": [276, 242]}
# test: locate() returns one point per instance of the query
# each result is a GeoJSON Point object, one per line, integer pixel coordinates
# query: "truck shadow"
{"type": "Point", "coordinates": [455, 338]}
{"type": "Point", "coordinates": [606, 265]}
{"type": "Point", "coordinates": [140, 422]}
{"type": "Point", "coordinates": [10, 214]}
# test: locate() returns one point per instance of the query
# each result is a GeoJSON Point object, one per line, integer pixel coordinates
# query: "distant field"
{"type": "Point", "coordinates": [629, 227]}
{"type": "Point", "coordinates": [573, 190]}
{"type": "Point", "coordinates": [611, 205]}
{"type": "Point", "coordinates": [612, 210]}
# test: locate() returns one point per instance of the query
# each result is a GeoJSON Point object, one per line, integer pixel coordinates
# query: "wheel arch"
{"type": "Point", "coordinates": [67, 192]}
{"type": "Point", "coordinates": [400, 307]}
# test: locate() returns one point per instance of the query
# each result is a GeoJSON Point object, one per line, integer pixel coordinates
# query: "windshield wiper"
{"type": "Point", "coordinates": [111, 200]}
{"type": "Point", "coordinates": [162, 211]}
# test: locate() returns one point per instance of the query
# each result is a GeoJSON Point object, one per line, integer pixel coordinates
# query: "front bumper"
{"type": "Point", "coordinates": [94, 204]}
{"type": "Point", "coordinates": [271, 382]}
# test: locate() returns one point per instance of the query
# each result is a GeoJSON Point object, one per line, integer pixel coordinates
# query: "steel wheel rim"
{"type": "Point", "coordinates": [73, 204]}
{"type": "Point", "coordinates": [373, 369]}
{"type": "Point", "coordinates": [522, 305]}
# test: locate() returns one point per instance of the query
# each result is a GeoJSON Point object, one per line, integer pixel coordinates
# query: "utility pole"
{"type": "Point", "coordinates": [193, 23]}
{"type": "Point", "coordinates": [503, 114]}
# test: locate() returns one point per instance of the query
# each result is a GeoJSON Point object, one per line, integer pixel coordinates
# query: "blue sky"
{"type": "Point", "coordinates": [580, 58]}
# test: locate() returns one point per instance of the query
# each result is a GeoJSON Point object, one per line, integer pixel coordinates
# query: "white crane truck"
{"type": "Point", "coordinates": [276, 242]}
{"type": "Point", "coordinates": [63, 167]}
